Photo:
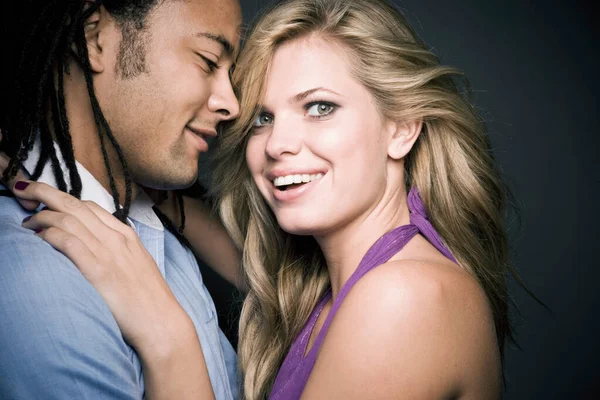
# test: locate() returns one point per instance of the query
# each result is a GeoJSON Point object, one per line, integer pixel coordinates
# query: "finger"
{"type": "Point", "coordinates": [4, 161]}
{"type": "Point", "coordinates": [75, 249]}
{"type": "Point", "coordinates": [63, 202]}
{"type": "Point", "coordinates": [26, 204]}
{"type": "Point", "coordinates": [67, 223]}
{"type": "Point", "coordinates": [109, 220]}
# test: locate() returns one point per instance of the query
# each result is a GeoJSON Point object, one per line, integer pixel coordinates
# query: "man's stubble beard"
{"type": "Point", "coordinates": [172, 172]}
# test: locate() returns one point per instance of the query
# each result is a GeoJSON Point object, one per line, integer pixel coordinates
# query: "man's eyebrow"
{"type": "Point", "coordinates": [229, 49]}
{"type": "Point", "coordinates": [301, 96]}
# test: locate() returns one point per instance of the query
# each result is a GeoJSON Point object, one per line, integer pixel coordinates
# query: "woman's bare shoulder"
{"type": "Point", "coordinates": [416, 325]}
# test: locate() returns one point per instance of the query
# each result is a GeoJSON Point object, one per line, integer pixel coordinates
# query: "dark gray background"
{"type": "Point", "coordinates": [534, 68]}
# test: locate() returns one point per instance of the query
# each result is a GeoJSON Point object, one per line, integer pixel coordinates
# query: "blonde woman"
{"type": "Point", "coordinates": [359, 183]}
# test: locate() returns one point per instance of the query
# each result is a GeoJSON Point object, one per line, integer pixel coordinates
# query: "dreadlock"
{"type": "Point", "coordinates": [55, 33]}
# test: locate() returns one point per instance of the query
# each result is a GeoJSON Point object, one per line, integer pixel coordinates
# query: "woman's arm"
{"type": "Point", "coordinates": [111, 257]}
{"type": "Point", "coordinates": [174, 368]}
{"type": "Point", "coordinates": [207, 236]}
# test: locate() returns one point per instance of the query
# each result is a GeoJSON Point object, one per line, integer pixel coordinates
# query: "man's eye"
{"type": "Point", "coordinates": [320, 109]}
{"type": "Point", "coordinates": [262, 120]}
{"type": "Point", "coordinates": [212, 66]}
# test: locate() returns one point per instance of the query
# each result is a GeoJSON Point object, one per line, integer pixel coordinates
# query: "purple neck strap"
{"type": "Point", "coordinates": [418, 217]}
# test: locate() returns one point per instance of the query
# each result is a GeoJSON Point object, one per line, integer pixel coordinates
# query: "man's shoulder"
{"type": "Point", "coordinates": [33, 275]}
{"type": "Point", "coordinates": [54, 321]}
{"type": "Point", "coordinates": [11, 212]}
{"type": "Point", "coordinates": [19, 245]}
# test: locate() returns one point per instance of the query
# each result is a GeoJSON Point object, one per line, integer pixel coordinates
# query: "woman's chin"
{"type": "Point", "coordinates": [302, 228]}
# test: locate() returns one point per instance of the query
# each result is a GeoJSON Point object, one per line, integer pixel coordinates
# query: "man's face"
{"type": "Point", "coordinates": [162, 116]}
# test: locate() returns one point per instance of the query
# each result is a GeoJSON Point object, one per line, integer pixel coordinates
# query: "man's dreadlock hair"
{"type": "Point", "coordinates": [37, 100]}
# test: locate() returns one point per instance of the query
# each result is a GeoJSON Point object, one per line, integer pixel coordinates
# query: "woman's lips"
{"type": "Point", "coordinates": [294, 190]}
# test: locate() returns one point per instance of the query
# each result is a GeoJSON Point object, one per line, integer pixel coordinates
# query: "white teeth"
{"type": "Point", "coordinates": [297, 178]}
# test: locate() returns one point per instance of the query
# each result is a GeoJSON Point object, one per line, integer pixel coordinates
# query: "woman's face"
{"type": "Point", "coordinates": [318, 150]}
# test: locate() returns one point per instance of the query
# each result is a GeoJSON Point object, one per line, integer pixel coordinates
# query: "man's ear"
{"type": "Point", "coordinates": [402, 137]}
{"type": "Point", "coordinates": [95, 37]}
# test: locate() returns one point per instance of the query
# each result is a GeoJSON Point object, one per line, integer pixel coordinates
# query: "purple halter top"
{"type": "Point", "coordinates": [296, 368]}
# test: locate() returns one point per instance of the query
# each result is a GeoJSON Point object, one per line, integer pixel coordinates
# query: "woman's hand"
{"type": "Point", "coordinates": [4, 161]}
{"type": "Point", "coordinates": [111, 257]}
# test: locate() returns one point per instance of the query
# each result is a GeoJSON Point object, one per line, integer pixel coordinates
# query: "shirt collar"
{"type": "Point", "coordinates": [140, 209]}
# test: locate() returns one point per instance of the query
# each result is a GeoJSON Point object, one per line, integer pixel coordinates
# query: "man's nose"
{"type": "Point", "coordinates": [223, 101]}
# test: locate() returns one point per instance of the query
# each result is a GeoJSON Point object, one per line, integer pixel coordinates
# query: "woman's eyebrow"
{"type": "Point", "coordinates": [301, 96]}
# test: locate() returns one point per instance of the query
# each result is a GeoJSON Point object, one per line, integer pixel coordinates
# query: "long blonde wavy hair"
{"type": "Point", "coordinates": [451, 165]}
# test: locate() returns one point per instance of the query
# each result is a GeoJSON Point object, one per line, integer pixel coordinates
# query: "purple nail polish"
{"type": "Point", "coordinates": [26, 219]}
{"type": "Point", "coordinates": [21, 185]}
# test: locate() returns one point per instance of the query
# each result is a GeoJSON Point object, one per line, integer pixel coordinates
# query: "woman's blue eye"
{"type": "Point", "coordinates": [320, 109]}
{"type": "Point", "coordinates": [262, 120]}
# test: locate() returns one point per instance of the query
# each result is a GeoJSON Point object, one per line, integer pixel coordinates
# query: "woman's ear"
{"type": "Point", "coordinates": [402, 137]}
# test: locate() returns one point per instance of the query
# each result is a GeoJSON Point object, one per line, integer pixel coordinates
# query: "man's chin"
{"type": "Point", "coordinates": [169, 182]}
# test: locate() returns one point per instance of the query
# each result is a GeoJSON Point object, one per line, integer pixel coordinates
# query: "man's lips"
{"type": "Point", "coordinates": [206, 133]}
{"type": "Point", "coordinates": [201, 137]}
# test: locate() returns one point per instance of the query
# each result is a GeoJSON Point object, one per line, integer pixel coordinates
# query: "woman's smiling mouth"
{"type": "Point", "coordinates": [287, 181]}
{"type": "Point", "coordinates": [290, 187]}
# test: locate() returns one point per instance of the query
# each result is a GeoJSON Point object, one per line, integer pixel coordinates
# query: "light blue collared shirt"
{"type": "Point", "coordinates": [58, 338]}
